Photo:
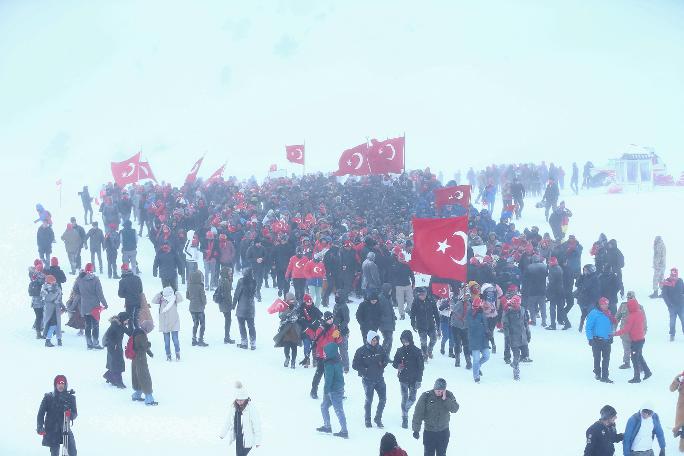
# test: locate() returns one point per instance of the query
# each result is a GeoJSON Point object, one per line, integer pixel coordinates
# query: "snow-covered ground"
{"type": "Point", "coordinates": [546, 412]}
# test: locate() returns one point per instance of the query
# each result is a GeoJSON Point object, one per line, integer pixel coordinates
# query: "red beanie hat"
{"type": "Point", "coordinates": [54, 261]}
{"type": "Point", "coordinates": [36, 262]}
{"type": "Point", "coordinates": [89, 268]}
{"type": "Point", "coordinates": [553, 261]}
{"type": "Point", "coordinates": [512, 287]}
{"type": "Point", "coordinates": [603, 301]}
{"type": "Point", "coordinates": [124, 267]}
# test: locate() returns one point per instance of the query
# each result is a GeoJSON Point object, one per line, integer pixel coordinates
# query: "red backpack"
{"type": "Point", "coordinates": [129, 352]}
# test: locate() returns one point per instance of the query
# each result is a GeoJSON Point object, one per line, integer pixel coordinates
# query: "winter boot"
{"type": "Point", "coordinates": [566, 326]}
{"type": "Point", "coordinates": [647, 374]}
{"type": "Point", "coordinates": [324, 429]}
{"type": "Point", "coordinates": [202, 343]}
{"type": "Point", "coordinates": [378, 422]}
{"type": "Point", "coordinates": [516, 373]}
{"type": "Point", "coordinates": [526, 360]}
{"type": "Point", "coordinates": [653, 295]}
{"type": "Point", "coordinates": [96, 345]}
{"type": "Point", "coordinates": [343, 434]}
{"type": "Point", "coordinates": [194, 342]}
{"type": "Point", "coordinates": [242, 344]}
{"type": "Point", "coordinates": [89, 343]}
{"type": "Point", "coordinates": [252, 344]}
{"type": "Point", "coordinates": [292, 363]}
{"type": "Point", "coordinates": [469, 364]}
{"type": "Point", "coordinates": [48, 343]}
{"type": "Point", "coordinates": [168, 358]}
{"type": "Point", "coordinates": [404, 422]}
{"type": "Point", "coordinates": [59, 342]}
{"type": "Point", "coordinates": [177, 356]}
{"type": "Point", "coordinates": [551, 327]}
{"type": "Point", "coordinates": [287, 361]}
{"type": "Point", "coordinates": [457, 362]}
{"type": "Point", "coordinates": [634, 380]}
{"type": "Point", "coordinates": [38, 334]}
{"type": "Point", "coordinates": [625, 366]}
{"type": "Point", "coordinates": [368, 423]}
{"type": "Point", "coordinates": [305, 362]}
{"type": "Point", "coordinates": [228, 340]}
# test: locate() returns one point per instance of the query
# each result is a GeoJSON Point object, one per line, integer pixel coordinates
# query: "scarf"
{"type": "Point", "coordinates": [613, 320]}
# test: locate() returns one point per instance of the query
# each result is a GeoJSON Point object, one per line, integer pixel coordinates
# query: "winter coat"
{"type": "Point", "coordinates": [615, 258]}
{"type": "Point", "coordinates": [636, 322]}
{"type": "Point", "coordinates": [368, 315]}
{"type": "Point", "coordinates": [145, 313]}
{"type": "Point", "coordinates": [678, 385]}
{"type": "Point", "coordinates": [51, 415]}
{"type": "Point", "coordinates": [251, 426]}
{"type": "Point", "coordinates": [434, 411]}
{"type": "Point", "coordinates": [72, 241]}
{"type": "Point", "coordinates": [296, 268]}
{"type": "Point", "coordinates": [409, 361]}
{"type": "Point", "coordinates": [589, 290]}
{"type": "Point", "coordinates": [610, 286]}
{"type": "Point", "coordinates": [601, 440]}
{"type": "Point", "coordinates": [534, 280]}
{"type": "Point", "coordinates": [659, 255]}
{"type": "Point", "coordinates": [387, 316]}
{"type": "Point", "coordinates": [243, 298]}
{"type": "Point", "coordinates": [130, 289]}
{"type": "Point", "coordinates": [111, 245]}
{"type": "Point", "coordinates": [370, 361]}
{"type": "Point", "coordinates": [168, 301]}
{"type": "Point", "coordinates": [225, 290]}
{"type": "Point", "coordinates": [632, 429]}
{"type": "Point", "coordinates": [195, 292]}
{"type": "Point", "coordinates": [673, 292]}
{"type": "Point", "coordinates": [555, 289]}
{"type": "Point", "coordinates": [515, 326]}
{"type": "Point", "coordinates": [129, 238]}
{"type": "Point", "coordinates": [167, 265]}
{"type": "Point", "coordinates": [332, 370]}
{"type": "Point", "coordinates": [57, 273]}
{"type": "Point", "coordinates": [288, 331]}
{"type": "Point", "coordinates": [331, 261]}
{"type": "Point", "coordinates": [401, 274]}
{"type": "Point", "coordinates": [598, 325]}
{"type": "Point", "coordinates": [370, 274]}
{"type": "Point", "coordinates": [478, 332]}
{"type": "Point", "coordinates": [341, 317]}
{"type": "Point", "coordinates": [315, 273]}
{"type": "Point", "coordinates": [44, 238]}
{"type": "Point", "coordinates": [51, 295]}
{"type": "Point", "coordinates": [89, 288]}
{"type": "Point", "coordinates": [255, 252]}
{"type": "Point", "coordinates": [309, 317]}
{"type": "Point", "coordinates": [140, 372]}
{"type": "Point", "coordinates": [113, 341]}
{"type": "Point", "coordinates": [96, 237]}
{"type": "Point", "coordinates": [621, 317]}
{"type": "Point", "coordinates": [322, 336]}
{"type": "Point", "coordinates": [424, 314]}
{"type": "Point", "coordinates": [39, 279]}
{"type": "Point", "coordinates": [460, 306]}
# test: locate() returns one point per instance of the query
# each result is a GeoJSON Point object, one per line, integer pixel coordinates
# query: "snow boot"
{"type": "Point", "coordinates": [368, 423]}
{"type": "Point", "coordinates": [625, 366]}
{"type": "Point", "coordinates": [457, 362]}
{"type": "Point", "coordinates": [653, 295]}
{"type": "Point", "coordinates": [566, 326]}
{"type": "Point", "coordinates": [404, 422]}
{"type": "Point", "coordinates": [526, 360]}
{"type": "Point", "coordinates": [606, 380]}
{"type": "Point", "coordinates": [96, 345]}
{"type": "Point", "coordinates": [48, 343]}
{"type": "Point", "coordinates": [324, 429]}
{"type": "Point", "coordinates": [228, 340]}
{"type": "Point", "coordinates": [551, 327]}
{"type": "Point", "coordinates": [304, 362]}
{"type": "Point", "coordinates": [59, 342]}
{"type": "Point", "coordinates": [252, 344]}
{"type": "Point", "coordinates": [177, 356]}
{"type": "Point", "coordinates": [634, 380]}
{"type": "Point", "coordinates": [647, 374]}
{"type": "Point", "coordinates": [378, 422]}
{"type": "Point", "coordinates": [168, 358]}
{"type": "Point", "coordinates": [202, 343]}
{"type": "Point", "coordinates": [469, 364]}
{"type": "Point", "coordinates": [292, 363]}
{"type": "Point", "coordinates": [194, 342]}
{"type": "Point", "coordinates": [343, 434]}
{"type": "Point", "coordinates": [287, 361]}
{"type": "Point", "coordinates": [38, 334]}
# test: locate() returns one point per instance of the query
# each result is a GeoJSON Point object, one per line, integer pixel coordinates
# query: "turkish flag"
{"type": "Point", "coordinates": [295, 154]}
{"type": "Point", "coordinates": [459, 194]}
{"type": "Point", "coordinates": [95, 313]}
{"type": "Point", "coordinates": [145, 172]}
{"type": "Point", "coordinates": [126, 172]}
{"type": "Point", "coordinates": [278, 306]}
{"type": "Point", "coordinates": [192, 176]}
{"type": "Point", "coordinates": [441, 290]}
{"type": "Point", "coordinates": [386, 156]}
{"type": "Point", "coordinates": [216, 176]}
{"type": "Point", "coordinates": [440, 247]}
{"type": "Point", "coordinates": [354, 162]}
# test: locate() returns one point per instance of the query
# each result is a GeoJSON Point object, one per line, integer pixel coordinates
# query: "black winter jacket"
{"type": "Point", "coordinates": [130, 289]}
{"type": "Point", "coordinates": [409, 361]}
{"type": "Point", "coordinates": [424, 314]}
{"type": "Point", "coordinates": [370, 361]}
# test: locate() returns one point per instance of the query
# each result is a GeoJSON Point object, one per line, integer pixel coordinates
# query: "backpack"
{"type": "Point", "coordinates": [218, 296]}
{"type": "Point", "coordinates": [129, 351]}
{"type": "Point", "coordinates": [34, 288]}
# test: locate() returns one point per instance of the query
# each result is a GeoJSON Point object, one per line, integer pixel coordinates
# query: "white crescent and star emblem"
{"type": "Point", "coordinates": [317, 269]}
{"type": "Point", "coordinates": [357, 154]}
{"type": "Point", "coordinates": [391, 147]}
{"type": "Point", "coordinates": [299, 264]}
{"type": "Point", "coordinates": [442, 247]}
{"type": "Point", "coordinates": [458, 194]}
{"type": "Point", "coordinates": [442, 291]}
{"type": "Point", "coordinates": [129, 173]}
{"type": "Point", "coordinates": [297, 153]}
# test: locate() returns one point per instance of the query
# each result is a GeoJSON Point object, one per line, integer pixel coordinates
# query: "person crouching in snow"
{"type": "Point", "coordinates": [242, 423]}
{"type": "Point", "coordinates": [113, 341]}
{"type": "Point", "coordinates": [52, 310]}
{"type": "Point", "coordinates": [333, 391]}
{"type": "Point", "coordinates": [169, 321]}
{"type": "Point", "coordinates": [140, 372]}
{"type": "Point", "coordinates": [515, 326]}
{"type": "Point", "coordinates": [198, 301]}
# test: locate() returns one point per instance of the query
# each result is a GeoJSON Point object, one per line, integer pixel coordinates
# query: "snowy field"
{"type": "Point", "coordinates": [546, 412]}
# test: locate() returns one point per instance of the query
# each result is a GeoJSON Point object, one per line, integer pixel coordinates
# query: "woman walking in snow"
{"type": "Point", "coordinates": [113, 342]}
{"type": "Point", "coordinates": [242, 423]}
{"type": "Point", "coordinates": [169, 321]}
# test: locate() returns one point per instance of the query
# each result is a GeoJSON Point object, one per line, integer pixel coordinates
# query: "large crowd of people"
{"type": "Point", "coordinates": [315, 237]}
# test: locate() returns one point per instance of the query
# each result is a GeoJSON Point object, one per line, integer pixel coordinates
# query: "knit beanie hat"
{"type": "Point", "coordinates": [440, 384]}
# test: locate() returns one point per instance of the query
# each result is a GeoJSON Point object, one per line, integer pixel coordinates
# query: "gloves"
{"type": "Point", "coordinates": [416, 435]}
{"type": "Point", "coordinates": [41, 430]}
{"type": "Point", "coordinates": [67, 413]}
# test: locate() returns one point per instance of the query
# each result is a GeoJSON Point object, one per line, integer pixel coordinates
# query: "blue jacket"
{"type": "Point", "coordinates": [598, 325]}
{"type": "Point", "coordinates": [478, 337]}
{"type": "Point", "coordinates": [632, 429]}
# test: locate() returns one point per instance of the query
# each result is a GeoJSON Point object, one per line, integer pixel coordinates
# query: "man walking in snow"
{"type": "Point", "coordinates": [434, 407]}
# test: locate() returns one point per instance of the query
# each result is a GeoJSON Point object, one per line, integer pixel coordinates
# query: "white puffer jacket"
{"type": "Point", "coordinates": [251, 426]}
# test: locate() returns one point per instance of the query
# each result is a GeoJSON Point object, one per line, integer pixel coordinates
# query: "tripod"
{"type": "Point", "coordinates": [66, 430]}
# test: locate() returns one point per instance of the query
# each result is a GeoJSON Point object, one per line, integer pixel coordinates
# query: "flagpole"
{"type": "Point", "coordinates": [137, 166]}
{"type": "Point", "coordinates": [304, 161]}
{"type": "Point", "coordinates": [370, 170]}
{"type": "Point", "coordinates": [404, 157]}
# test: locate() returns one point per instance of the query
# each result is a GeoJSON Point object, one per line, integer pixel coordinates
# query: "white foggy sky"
{"type": "Point", "coordinates": [83, 83]}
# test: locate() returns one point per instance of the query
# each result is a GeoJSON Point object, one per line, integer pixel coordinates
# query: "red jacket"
{"type": "Point", "coordinates": [323, 337]}
{"type": "Point", "coordinates": [635, 322]}
{"type": "Point", "coordinates": [296, 268]}
{"type": "Point", "coordinates": [314, 270]}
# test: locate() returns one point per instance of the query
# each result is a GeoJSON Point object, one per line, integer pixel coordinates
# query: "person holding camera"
{"type": "Point", "coordinates": [56, 413]}
{"type": "Point", "coordinates": [434, 407]}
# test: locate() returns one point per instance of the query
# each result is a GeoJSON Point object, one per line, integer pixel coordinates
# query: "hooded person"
{"type": "Point", "coordinates": [56, 271]}
{"type": "Point", "coordinates": [89, 288]}
{"type": "Point", "coordinates": [223, 296]}
{"type": "Point", "coordinates": [141, 380]}
{"type": "Point", "coordinates": [73, 243]}
{"type": "Point", "coordinates": [409, 362]}
{"type": "Point", "coordinates": [169, 320]}
{"type": "Point", "coordinates": [390, 447]}
{"type": "Point", "coordinates": [478, 332]}
{"type": "Point", "coordinates": [333, 391]}
{"type": "Point", "coordinates": [113, 342]}
{"type": "Point", "coordinates": [243, 303]}
{"type": "Point", "coordinates": [635, 327]}
{"type": "Point", "coordinates": [129, 245]}
{"type": "Point", "coordinates": [56, 413]}
{"type": "Point", "coordinates": [369, 313]}
{"type": "Point", "coordinates": [673, 295]}
{"type": "Point", "coordinates": [51, 294]}
{"type": "Point", "coordinates": [242, 424]}
{"type": "Point", "coordinates": [167, 265]}
{"type": "Point", "coordinates": [370, 275]}
{"type": "Point", "coordinates": [641, 429]}
{"type": "Point", "coordinates": [197, 298]}
{"type": "Point", "coordinates": [370, 361]}
{"type": "Point", "coordinates": [425, 320]}
{"type": "Point", "coordinates": [289, 335]}
{"type": "Point", "coordinates": [515, 326]}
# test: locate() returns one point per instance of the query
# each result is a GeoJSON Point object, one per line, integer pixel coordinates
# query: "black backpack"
{"type": "Point", "coordinates": [34, 288]}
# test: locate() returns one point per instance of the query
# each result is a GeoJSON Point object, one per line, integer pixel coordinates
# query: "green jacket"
{"type": "Point", "coordinates": [434, 410]}
{"type": "Point", "coordinates": [334, 378]}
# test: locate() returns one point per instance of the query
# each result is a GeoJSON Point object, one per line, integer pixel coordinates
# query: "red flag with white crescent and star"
{"type": "Point", "coordinates": [386, 156]}
{"type": "Point", "coordinates": [278, 306]}
{"type": "Point", "coordinates": [192, 176]}
{"type": "Point", "coordinates": [458, 194]}
{"type": "Point", "coordinates": [354, 162]}
{"type": "Point", "coordinates": [216, 176]}
{"type": "Point", "coordinates": [126, 172]}
{"type": "Point", "coordinates": [441, 290]}
{"type": "Point", "coordinates": [145, 172]}
{"type": "Point", "coordinates": [295, 154]}
{"type": "Point", "coordinates": [440, 247]}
